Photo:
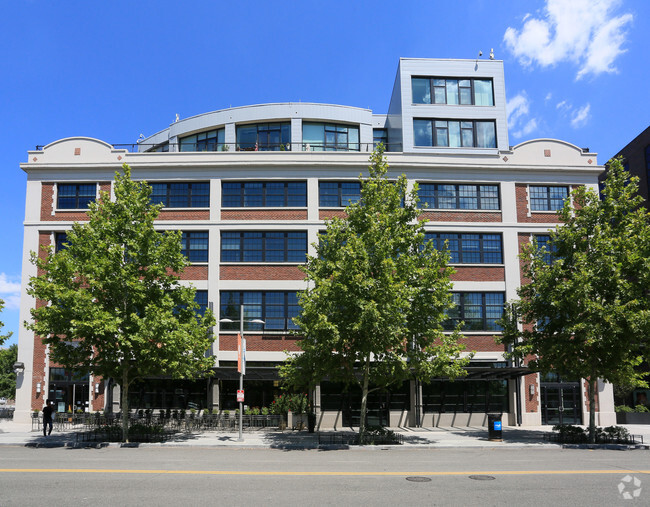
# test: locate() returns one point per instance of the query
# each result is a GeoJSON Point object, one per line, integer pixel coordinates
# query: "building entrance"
{"type": "Point", "coordinates": [561, 403]}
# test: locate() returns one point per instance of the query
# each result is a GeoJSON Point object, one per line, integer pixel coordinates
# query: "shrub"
{"type": "Point", "coordinates": [265, 411]}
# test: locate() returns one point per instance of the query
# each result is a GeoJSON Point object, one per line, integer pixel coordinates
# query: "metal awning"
{"type": "Point", "coordinates": [486, 373]}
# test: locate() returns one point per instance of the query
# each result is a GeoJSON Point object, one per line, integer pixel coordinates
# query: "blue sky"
{"type": "Point", "coordinates": [575, 70]}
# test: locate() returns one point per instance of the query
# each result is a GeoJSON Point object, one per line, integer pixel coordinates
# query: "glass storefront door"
{"type": "Point", "coordinates": [561, 403]}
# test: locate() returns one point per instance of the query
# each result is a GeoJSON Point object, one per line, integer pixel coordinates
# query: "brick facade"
{"type": "Point", "coordinates": [461, 216]}
{"type": "Point", "coordinates": [257, 272]}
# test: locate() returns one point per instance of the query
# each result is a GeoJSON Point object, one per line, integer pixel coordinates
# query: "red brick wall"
{"type": "Point", "coordinates": [262, 214]}
{"type": "Point", "coordinates": [326, 214]}
{"type": "Point", "coordinates": [479, 274]}
{"type": "Point", "coordinates": [248, 272]}
{"type": "Point", "coordinates": [265, 342]}
{"type": "Point", "coordinates": [464, 216]}
{"type": "Point", "coordinates": [532, 400]}
{"type": "Point", "coordinates": [195, 273]}
{"type": "Point", "coordinates": [482, 343]}
{"type": "Point", "coordinates": [198, 214]}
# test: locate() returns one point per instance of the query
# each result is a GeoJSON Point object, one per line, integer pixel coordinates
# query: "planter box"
{"type": "Point", "coordinates": [633, 417]}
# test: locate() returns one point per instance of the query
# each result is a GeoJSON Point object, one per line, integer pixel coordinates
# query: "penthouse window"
{"type": "Point", "coordinates": [454, 133]}
{"type": "Point", "coordinates": [478, 311]}
{"type": "Point", "coordinates": [463, 91]}
{"type": "Point", "coordinates": [194, 246]}
{"type": "Point", "coordinates": [338, 194]}
{"type": "Point", "coordinates": [547, 198]}
{"type": "Point", "coordinates": [181, 195]}
{"type": "Point", "coordinates": [264, 136]}
{"type": "Point", "coordinates": [264, 194]}
{"type": "Point", "coordinates": [450, 196]}
{"type": "Point", "coordinates": [75, 196]}
{"type": "Point", "coordinates": [263, 246]}
{"type": "Point", "coordinates": [212, 140]}
{"type": "Point", "coordinates": [380, 136]}
{"type": "Point", "coordinates": [329, 137]}
{"type": "Point", "coordinates": [275, 308]}
{"type": "Point", "coordinates": [468, 248]}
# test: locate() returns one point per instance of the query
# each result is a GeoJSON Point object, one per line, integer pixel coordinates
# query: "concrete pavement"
{"type": "Point", "coordinates": [12, 433]}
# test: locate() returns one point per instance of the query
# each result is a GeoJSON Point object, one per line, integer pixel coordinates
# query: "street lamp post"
{"type": "Point", "coordinates": [242, 364]}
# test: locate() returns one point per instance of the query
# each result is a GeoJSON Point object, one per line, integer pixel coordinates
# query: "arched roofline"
{"type": "Point", "coordinates": [78, 138]}
{"type": "Point", "coordinates": [550, 140]}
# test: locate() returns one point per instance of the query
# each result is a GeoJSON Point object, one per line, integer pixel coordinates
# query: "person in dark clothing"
{"type": "Point", "coordinates": [48, 413]}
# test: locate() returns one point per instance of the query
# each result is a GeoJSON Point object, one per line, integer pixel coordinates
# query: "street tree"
{"type": "Point", "coordinates": [3, 338]}
{"type": "Point", "coordinates": [8, 357]}
{"type": "Point", "coordinates": [110, 302]}
{"type": "Point", "coordinates": [584, 311]}
{"type": "Point", "coordinates": [377, 297]}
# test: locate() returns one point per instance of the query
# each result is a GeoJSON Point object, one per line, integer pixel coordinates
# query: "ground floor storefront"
{"type": "Point", "coordinates": [486, 389]}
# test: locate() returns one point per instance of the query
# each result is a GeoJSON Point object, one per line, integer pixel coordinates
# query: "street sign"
{"type": "Point", "coordinates": [240, 395]}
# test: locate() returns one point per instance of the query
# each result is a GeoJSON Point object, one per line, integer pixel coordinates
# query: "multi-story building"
{"type": "Point", "coordinates": [636, 159]}
{"type": "Point", "coordinates": [251, 187]}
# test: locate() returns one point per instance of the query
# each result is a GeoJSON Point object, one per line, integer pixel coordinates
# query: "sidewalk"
{"type": "Point", "coordinates": [426, 438]}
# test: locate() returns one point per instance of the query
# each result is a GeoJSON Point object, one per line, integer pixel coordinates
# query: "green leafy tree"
{"type": "Point", "coordinates": [114, 305]}
{"type": "Point", "coordinates": [372, 315]}
{"type": "Point", "coordinates": [585, 313]}
{"type": "Point", "coordinates": [3, 338]}
{"type": "Point", "coordinates": [7, 374]}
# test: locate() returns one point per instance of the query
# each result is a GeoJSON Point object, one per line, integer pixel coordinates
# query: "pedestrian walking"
{"type": "Point", "coordinates": [48, 416]}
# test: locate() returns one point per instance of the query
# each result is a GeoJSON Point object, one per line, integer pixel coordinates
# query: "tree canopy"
{"type": "Point", "coordinates": [584, 311]}
{"type": "Point", "coordinates": [3, 338]}
{"type": "Point", "coordinates": [372, 315]}
{"type": "Point", "coordinates": [114, 305]}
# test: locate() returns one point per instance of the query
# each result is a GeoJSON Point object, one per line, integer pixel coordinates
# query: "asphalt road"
{"type": "Point", "coordinates": [218, 476]}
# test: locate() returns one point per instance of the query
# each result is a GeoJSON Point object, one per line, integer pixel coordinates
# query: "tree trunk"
{"type": "Point", "coordinates": [364, 401]}
{"type": "Point", "coordinates": [592, 409]}
{"type": "Point", "coordinates": [125, 405]}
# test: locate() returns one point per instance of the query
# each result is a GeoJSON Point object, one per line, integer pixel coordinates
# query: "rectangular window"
{"type": "Point", "coordinates": [451, 196]}
{"type": "Point", "coordinates": [544, 242]}
{"type": "Point", "coordinates": [454, 91]}
{"type": "Point", "coordinates": [213, 140]}
{"type": "Point", "coordinates": [275, 308]}
{"type": "Point", "coordinates": [264, 137]}
{"type": "Point", "coordinates": [201, 298]}
{"type": "Point", "coordinates": [454, 133]}
{"type": "Point", "coordinates": [329, 137]}
{"type": "Point", "coordinates": [60, 241]}
{"type": "Point", "coordinates": [547, 198]}
{"type": "Point", "coordinates": [468, 248]}
{"type": "Point", "coordinates": [380, 136]}
{"type": "Point", "coordinates": [478, 311]}
{"type": "Point", "coordinates": [181, 195]}
{"type": "Point", "coordinates": [264, 194]}
{"type": "Point", "coordinates": [75, 196]}
{"type": "Point", "coordinates": [338, 194]}
{"type": "Point", "coordinates": [263, 246]}
{"type": "Point", "coordinates": [194, 246]}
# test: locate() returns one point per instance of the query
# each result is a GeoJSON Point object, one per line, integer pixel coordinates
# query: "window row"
{"type": "Point", "coordinates": [332, 194]}
{"type": "Point", "coordinates": [479, 311]}
{"type": "Point", "coordinates": [454, 133]}
{"type": "Point", "coordinates": [276, 136]}
{"type": "Point", "coordinates": [463, 91]}
{"type": "Point", "coordinates": [469, 248]}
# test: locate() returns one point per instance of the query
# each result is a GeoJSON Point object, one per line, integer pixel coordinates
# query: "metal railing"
{"type": "Point", "coordinates": [235, 147]}
{"type": "Point", "coordinates": [177, 423]}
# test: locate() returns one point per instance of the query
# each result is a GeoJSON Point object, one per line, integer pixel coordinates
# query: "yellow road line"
{"type": "Point", "coordinates": [277, 473]}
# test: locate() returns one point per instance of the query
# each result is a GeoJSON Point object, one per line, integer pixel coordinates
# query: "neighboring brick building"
{"type": "Point", "coordinates": [250, 187]}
